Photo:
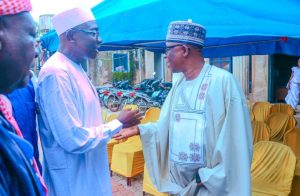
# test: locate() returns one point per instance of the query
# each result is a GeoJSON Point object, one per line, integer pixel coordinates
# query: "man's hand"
{"type": "Point", "coordinates": [125, 133]}
{"type": "Point", "coordinates": [130, 118]}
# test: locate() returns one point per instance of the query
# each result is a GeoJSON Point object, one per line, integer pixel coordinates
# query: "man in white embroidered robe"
{"type": "Point", "coordinates": [204, 128]}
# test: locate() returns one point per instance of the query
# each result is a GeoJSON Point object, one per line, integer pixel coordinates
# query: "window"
{"type": "Point", "coordinates": [120, 62]}
{"type": "Point", "coordinates": [225, 63]}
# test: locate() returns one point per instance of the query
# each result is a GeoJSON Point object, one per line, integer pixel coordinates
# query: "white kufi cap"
{"type": "Point", "coordinates": [71, 18]}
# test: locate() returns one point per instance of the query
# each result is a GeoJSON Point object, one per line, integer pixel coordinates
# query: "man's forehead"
{"type": "Point", "coordinates": [172, 43]}
{"type": "Point", "coordinates": [88, 25]}
{"type": "Point", "coordinates": [23, 20]}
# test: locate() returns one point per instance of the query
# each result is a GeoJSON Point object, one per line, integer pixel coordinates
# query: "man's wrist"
{"type": "Point", "coordinates": [137, 130]}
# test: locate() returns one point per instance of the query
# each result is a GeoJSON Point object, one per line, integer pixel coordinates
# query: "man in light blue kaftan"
{"type": "Point", "coordinates": [72, 134]}
{"type": "Point", "coordinates": [202, 142]}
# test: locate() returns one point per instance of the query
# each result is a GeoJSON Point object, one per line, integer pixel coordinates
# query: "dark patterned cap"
{"type": "Point", "coordinates": [186, 32]}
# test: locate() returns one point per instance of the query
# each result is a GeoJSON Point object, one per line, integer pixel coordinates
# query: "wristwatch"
{"type": "Point", "coordinates": [198, 179]}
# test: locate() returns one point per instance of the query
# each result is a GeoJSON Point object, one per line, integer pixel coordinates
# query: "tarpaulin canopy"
{"type": "Point", "coordinates": [50, 41]}
{"type": "Point", "coordinates": [234, 27]}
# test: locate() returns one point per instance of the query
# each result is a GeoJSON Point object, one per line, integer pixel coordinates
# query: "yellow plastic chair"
{"type": "Point", "coordinates": [261, 131]}
{"type": "Point", "coordinates": [130, 106]}
{"type": "Point", "coordinates": [292, 139]}
{"type": "Point", "coordinates": [152, 114]}
{"type": "Point", "coordinates": [296, 186]}
{"type": "Point", "coordinates": [279, 124]}
{"type": "Point", "coordinates": [148, 186]}
{"type": "Point", "coordinates": [282, 108]}
{"type": "Point", "coordinates": [249, 104]}
{"type": "Point", "coordinates": [272, 169]}
{"type": "Point", "coordinates": [261, 111]}
{"type": "Point", "coordinates": [111, 117]}
{"type": "Point", "coordinates": [110, 146]}
{"type": "Point", "coordinates": [251, 115]}
{"type": "Point", "coordinates": [104, 115]}
{"type": "Point", "coordinates": [128, 159]}
{"type": "Point", "coordinates": [145, 120]}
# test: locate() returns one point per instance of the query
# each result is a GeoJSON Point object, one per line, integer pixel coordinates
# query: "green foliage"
{"type": "Point", "coordinates": [117, 76]}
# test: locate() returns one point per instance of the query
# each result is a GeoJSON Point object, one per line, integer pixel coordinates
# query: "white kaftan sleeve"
{"type": "Point", "coordinates": [228, 171]}
{"type": "Point", "coordinates": [155, 140]}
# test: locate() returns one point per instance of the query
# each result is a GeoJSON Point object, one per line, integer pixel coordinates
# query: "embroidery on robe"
{"type": "Point", "coordinates": [188, 131]}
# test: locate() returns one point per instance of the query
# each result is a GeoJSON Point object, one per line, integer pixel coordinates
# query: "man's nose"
{"type": "Point", "coordinates": [99, 41]}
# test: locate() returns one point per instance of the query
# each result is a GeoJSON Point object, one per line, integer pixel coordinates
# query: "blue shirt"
{"type": "Point", "coordinates": [24, 111]}
{"type": "Point", "coordinates": [17, 176]}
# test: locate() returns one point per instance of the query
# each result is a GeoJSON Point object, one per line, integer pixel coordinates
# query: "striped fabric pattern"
{"type": "Point", "coordinates": [10, 7]}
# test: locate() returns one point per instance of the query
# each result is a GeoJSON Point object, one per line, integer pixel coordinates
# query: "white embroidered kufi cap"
{"type": "Point", "coordinates": [71, 18]}
{"type": "Point", "coordinates": [186, 32]}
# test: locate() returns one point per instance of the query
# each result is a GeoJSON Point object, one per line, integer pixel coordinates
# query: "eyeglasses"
{"type": "Point", "coordinates": [94, 33]}
{"type": "Point", "coordinates": [168, 48]}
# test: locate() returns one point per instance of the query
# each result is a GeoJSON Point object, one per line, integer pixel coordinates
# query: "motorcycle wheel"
{"type": "Point", "coordinates": [124, 101]}
{"type": "Point", "coordinates": [113, 103]}
{"type": "Point", "coordinates": [142, 104]}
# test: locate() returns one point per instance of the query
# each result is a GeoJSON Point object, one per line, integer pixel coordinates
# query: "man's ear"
{"type": "Point", "coordinates": [70, 35]}
{"type": "Point", "coordinates": [186, 50]}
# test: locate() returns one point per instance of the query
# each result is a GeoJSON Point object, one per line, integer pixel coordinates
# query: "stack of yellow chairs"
{"type": "Point", "coordinates": [292, 139]}
{"type": "Point", "coordinates": [279, 124]}
{"type": "Point", "coordinates": [282, 108]}
{"type": "Point", "coordinates": [251, 115]}
{"type": "Point", "coordinates": [130, 106]}
{"type": "Point", "coordinates": [110, 146]}
{"type": "Point", "coordinates": [111, 117]}
{"type": "Point", "coordinates": [128, 159]}
{"type": "Point", "coordinates": [272, 169]}
{"type": "Point", "coordinates": [261, 131]}
{"type": "Point", "coordinates": [104, 116]}
{"type": "Point", "coordinates": [151, 115]}
{"type": "Point", "coordinates": [249, 104]}
{"type": "Point", "coordinates": [148, 186]}
{"type": "Point", "coordinates": [261, 111]}
{"type": "Point", "coordinates": [250, 109]}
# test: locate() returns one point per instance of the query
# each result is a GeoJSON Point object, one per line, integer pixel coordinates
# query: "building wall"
{"type": "Point", "coordinates": [45, 23]}
{"type": "Point", "coordinates": [100, 69]}
{"type": "Point", "coordinates": [260, 72]}
{"type": "Point", "coordinates": [149, 64]}
{"type": "Point", "coordinates": [240, 69]}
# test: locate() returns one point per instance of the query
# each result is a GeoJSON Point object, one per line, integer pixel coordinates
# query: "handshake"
{"type": "Point", "coordinates": [129, 119]}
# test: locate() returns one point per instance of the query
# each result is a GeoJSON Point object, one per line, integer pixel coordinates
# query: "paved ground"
{"type": "Point", "coordinates": [120, 187]}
